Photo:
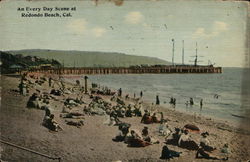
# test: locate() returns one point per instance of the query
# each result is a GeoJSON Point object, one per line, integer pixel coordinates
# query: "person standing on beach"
{"type": "Point", "coordinates": [127, 96]}
{"type": "Point", "coordinates": [50, 81]}
{"type": "Point", "coordinates": [171, 100]}
{"type": "Point", "coordinates": [174, 102]}
{"type": "Point", "coordinates": [191, 102]}
{"type": "Point", "coordinates": [86, 84]}
{"type": "Point", "coordinates": [201, 104]}
{"type": "Point", "coordinates": [186, 103]}
{"type": "Point", "coordinates": [21, 85]}
{"type": "Point", "coordinates": [120, 92]}
{"type": "Point", "coordinates": [141, 94]}
{"type": "Point", "coordinates": [157, 100]}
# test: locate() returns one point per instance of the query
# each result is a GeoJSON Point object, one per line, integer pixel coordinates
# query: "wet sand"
{"type": "Point", "coordinates": [93, 141]}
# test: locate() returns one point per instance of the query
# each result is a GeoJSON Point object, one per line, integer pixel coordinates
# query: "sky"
{"type": "Point", "coordinates": [144, 28]}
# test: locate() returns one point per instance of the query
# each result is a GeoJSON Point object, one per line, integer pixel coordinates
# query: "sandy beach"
{"type": "Point", "coordinates": [93, 141]}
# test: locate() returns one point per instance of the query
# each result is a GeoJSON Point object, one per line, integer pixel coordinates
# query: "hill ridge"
{"type": "Point", "coordinates": [91, 58]}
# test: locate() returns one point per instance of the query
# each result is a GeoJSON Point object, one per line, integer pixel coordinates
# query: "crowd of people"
{"type": "Point", "coordinates": [116, 109]}
{"type": "Point", "coordinates": [180, 137]}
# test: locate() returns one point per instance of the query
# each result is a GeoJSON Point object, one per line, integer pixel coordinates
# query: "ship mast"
{"type": "Point", "coordinates": [173, 53]}
{"type": "Point", "coordinates": [182, 52]}
{"type": "Point", "coordinates": [196, 56]}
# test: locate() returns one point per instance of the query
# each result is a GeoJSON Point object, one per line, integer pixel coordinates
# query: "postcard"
{"type": "Point", "coordinates": [124, 80]}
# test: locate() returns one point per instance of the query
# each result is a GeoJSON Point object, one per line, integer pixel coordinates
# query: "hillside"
{"type": "Point", "coordinates": [91, 59]}
{"type": "Point", "coordinates": [10, 63]}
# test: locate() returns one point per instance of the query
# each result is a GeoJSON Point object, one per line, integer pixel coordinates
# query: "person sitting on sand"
{"type": "Point", "coordinates": [138, 109]}
{"type": "Point", "coordinates": [169, 154]}
{"type": "Point", "coordinates": [225, 149]}
{"type": "Point", "coordinates": [33, 101]}
{"type": "Point", "coordinates": [164, 129]}
{"type": "Point", "coordinates": [135, 135]}
{"type": "Point", "coordinates": [205, 142]}
{"type": "Point", "coordinates": [145, 117]}
{"type": "Point", "coordinates": [112, 121]}
{"type": "Point", "coordinates": [137, 112]}
{"type": "Point", "coordinates": [186, 142]}
{"type": "Point", "coordinates": [184, 137]}
{"type": "Point", "coordinates": [50, 123]}
{"type": "Point", "coordinates": [146, 137]}
{"type": "Point", "coordinates": [137, 141]}
{"type": "Point", "coordinates": [155, 119]}
{"type": "Point", "coordinates": [204, 138]}
{"type": "Point", "coordinates": [129, 112]}
{"type": "Point", "coordinates": [145, 134]}
{"type": "Point", "coordinates": [47, 111]}
{"type": "Point", "coordinates": [124, 130]}
{"type": "Point", "coordinates": [201, 153]}
{"type": "Point", "coordinates": [177, 134]}
{"type": "Point", "coordinates": [120, 112]}
{"type": "Point", "coordinates": [114, 115]}
{"type": "Point", "coordinates": [175, 137]}
{"type": "Point", "coordinates": [45, 119]}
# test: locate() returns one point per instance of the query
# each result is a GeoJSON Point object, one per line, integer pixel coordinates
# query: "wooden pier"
{"type": "Point", "coordinates": [130, 70]}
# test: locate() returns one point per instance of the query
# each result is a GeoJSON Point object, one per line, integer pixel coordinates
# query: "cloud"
{"type": "Point", "coordinates": [134, 17]}
{"type": "Point", "coordinates": [220, 26]}
{"type": "Point", "coordinates": [98, 31]}
{"type": "Point", "coordinates": [217, 28]}
{"type": "Point", "coordinates": [78, 25]}
{"type": "Point", "coordinates": [200, 32]}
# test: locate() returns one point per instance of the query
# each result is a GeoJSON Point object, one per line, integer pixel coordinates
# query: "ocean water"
{"type": "Point", "coordinates": [183, 86]}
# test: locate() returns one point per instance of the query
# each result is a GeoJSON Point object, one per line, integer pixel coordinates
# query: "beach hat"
{"type": "Point", "coordinates": [205, 134]}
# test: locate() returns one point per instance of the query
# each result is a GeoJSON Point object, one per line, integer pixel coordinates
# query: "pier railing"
{"type": "Point", "coordinates": [131, 70]}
